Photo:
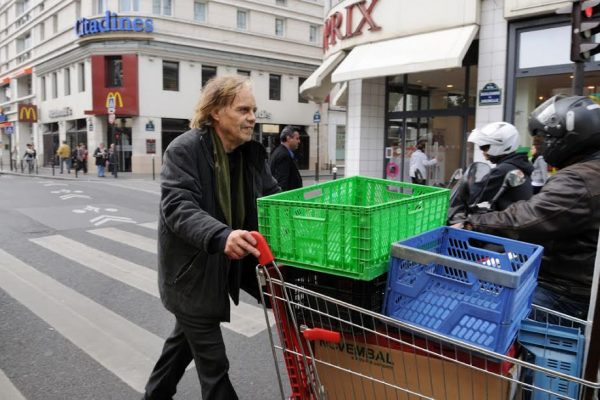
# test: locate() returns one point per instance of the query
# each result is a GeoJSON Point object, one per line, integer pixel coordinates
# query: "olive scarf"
{"type": "Point", "coordinates": [224, 182]}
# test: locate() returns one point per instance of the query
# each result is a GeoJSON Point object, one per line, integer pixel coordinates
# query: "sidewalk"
{"type": "Point", "coordinates": [47, 173]}
{"type": "Point", "coordinates": [308, 176]}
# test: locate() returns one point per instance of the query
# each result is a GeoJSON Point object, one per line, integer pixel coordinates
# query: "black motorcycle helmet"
{"type": "Point", "coordinates": [570, 127]}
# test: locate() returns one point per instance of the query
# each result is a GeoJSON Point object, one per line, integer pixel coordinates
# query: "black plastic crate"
{"type": "Point", "coordinates": [315, 311]}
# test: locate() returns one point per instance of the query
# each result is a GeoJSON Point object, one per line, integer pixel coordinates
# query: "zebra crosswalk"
{"type": "Point", "coordinates": [119, 345]}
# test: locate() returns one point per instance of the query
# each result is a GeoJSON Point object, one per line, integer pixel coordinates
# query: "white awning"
{"type": "Point", "coordinates": [318, 85]}
{"type": "Point", "coordinates": [417, 53]}
{"type": "Point", "coordinates": [340, 98]}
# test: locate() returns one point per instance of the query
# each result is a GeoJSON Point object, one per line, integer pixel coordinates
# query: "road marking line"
{"type": "Point", "coordinates": [150, 225]}
{"type": "Point", "coordinates": [132, 274]}
{"type": "Point", "coordinates": [8, 390]}
{"type": "Point", "coordinates": [246, 319]}
{"type": "Point", "coordinates": [119, 345]}
{"type": "Point", "coordinates": [131, 239]}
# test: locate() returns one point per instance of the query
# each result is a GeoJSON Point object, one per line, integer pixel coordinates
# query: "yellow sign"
{"type": "Point", "coordinates": [117, 100]}
{"type": "Point", "coordinates": [27, 113]}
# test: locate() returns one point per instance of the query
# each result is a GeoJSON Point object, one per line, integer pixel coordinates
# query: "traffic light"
{"type": "Point", "coordinates": [585, 24]}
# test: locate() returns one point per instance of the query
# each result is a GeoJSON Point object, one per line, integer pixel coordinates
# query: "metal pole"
{"type": "Point", "coordinates": [591, 360]}
{"type": "Point", "coordinates": [578, 72]}
{"type": "Point", "coordinates": [52, 163]}
{"type": "Point", "coordinates": [317, 163]}
{"type": "Point", "coordinates": [10, 149]}
{"type": "Point", "coordinates": [153, 169]}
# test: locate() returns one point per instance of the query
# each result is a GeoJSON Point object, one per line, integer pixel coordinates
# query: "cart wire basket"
{"type": "Point", "coordinates": [377, 357]}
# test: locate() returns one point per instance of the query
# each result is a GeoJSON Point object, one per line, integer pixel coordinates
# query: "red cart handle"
{"type": "Point", "coordinates": [321, 334]}
{"type": "Point", "coordinates": [266, 257]}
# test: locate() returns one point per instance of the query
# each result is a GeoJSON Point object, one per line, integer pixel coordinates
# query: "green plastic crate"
{"type": "Point", "coordinates": [346, 226]}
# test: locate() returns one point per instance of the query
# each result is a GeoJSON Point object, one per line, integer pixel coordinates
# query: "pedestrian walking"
{"type": "Point", "coordinates": [64, 156]}
{"type": "Point", "coordinates": [113, 160]}
{"type": "Point", "coordinates": [419, 163]}
{"type": "Point", "coordinates": [284, 165]}
{"type": "Point", "coordinates": [82, 157]}
{"type": "Point", "coordinates": [101, 157]}
{"type": "Point", "coordinates": [29, 158]}
{"type": "Point", "coordinates": [211, 178]}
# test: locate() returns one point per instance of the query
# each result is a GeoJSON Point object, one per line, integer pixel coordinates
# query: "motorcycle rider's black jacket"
{"type": "Point", "coordinates": [496, 178]}
{"type": "Point", "coordinates": [564, 217]}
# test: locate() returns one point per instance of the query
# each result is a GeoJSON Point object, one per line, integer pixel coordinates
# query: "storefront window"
{"type": "Point", "coordinates": [437, 106]}
{"type": "Point", "coordinates": [534, 90]}
{"type": "Point", "coordinates": [542, 68]}
{"type": "Point", "coordinates": [544, 47]}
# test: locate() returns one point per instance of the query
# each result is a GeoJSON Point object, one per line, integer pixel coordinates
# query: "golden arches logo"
{"type": "Point", "coordinates": [27, 113]}
{"type": "Point", "coordinates": [117, 100]}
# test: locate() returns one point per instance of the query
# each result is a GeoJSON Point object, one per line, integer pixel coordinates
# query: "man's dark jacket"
{"type": "Point", "coordinates": [564, 217]}
{"type": "Point", "coordinates": [284, 169]}
{"type": "Point", "coordinates": [195, 277]}
{"type": "Point", "coordinates": [511, 195]}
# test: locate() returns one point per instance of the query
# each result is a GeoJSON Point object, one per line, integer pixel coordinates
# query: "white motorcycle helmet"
{"type": "Point", "coordinates": [502, 137]}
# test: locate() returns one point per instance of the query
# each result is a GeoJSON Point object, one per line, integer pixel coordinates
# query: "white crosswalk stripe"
{"type": "Point", "coordinates": [8, 390]}
{"type": "Point", "coordinates": [131, 239]}
{"type": "Point", "coordinates": [150, 225]}
{"type": "Point", "coordinates": [246, 319]}
{"type": "Point", "coordinates": [119, 345]}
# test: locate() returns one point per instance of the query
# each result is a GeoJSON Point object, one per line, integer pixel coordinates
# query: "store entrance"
{"type": "Point", "coordinates": [437, 107]}
{"type": "Point", "coordinates": [119, 133]}
{"type": "Point", "coordinates": [445, 137]}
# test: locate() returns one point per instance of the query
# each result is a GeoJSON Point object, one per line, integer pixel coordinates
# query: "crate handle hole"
{"type": "Point", "coordinates": [312, 194]}
{"type": "Point", "coordinates": [485, 245]}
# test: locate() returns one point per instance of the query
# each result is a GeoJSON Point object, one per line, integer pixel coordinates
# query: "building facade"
{"type": "Point", "coordinates": [130, 72]}
{"type": "Point", "coordinates": [405, 72]}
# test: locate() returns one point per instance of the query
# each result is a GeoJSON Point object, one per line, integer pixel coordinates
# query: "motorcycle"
{"type": "Point", "coordinates": [467, 189]}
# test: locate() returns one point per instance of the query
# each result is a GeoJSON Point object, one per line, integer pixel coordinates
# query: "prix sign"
{"type": "Point", "coordinates": [339, 26]}
{"type": "Point", "coordinates": [351, 23]}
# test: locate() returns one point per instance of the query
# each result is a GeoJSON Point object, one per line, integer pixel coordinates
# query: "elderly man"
{"type": "Point", "coordinates": [211, 177]}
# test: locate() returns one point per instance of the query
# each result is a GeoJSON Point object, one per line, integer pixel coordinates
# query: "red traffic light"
{"type": "Point", "coordinates": [589, 11]}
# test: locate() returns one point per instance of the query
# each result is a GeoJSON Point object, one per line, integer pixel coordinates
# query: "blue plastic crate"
{"type": "Point", "coordinates": [468, 285]}
{"type": "Point", "coordinates": [558, 348]}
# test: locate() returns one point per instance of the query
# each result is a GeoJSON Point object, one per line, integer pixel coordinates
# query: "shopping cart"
{"type": "Point", "coordinates": [330, 353]}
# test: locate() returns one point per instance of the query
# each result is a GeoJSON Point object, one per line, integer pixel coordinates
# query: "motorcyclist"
{"type": "Point", "coordinates": [564, 216]}
{"type": "Point", "coordinates": [499, 142]}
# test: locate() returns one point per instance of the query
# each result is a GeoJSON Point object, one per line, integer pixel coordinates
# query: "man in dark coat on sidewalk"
{"type": "Point", "coordinates": [211, 178]}
{"type": "Point", "coordinates": [283, 160]}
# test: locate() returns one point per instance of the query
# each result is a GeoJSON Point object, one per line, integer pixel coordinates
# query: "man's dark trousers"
{"type": "Point", "coordinates": [202, 341]}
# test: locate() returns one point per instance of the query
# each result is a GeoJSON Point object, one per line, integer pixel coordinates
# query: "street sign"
{"type": "Point", "coordinates": [490, 95]}
{"type": "Point", "coordinates": [9, 130]}
{"type": "Point", "coordinates": [317, 117]}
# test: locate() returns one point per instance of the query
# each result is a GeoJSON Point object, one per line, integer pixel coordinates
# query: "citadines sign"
{"type": "Point", "coordinates": [111, 22]}
{"type": "Point", "coordinates": [354, 22]}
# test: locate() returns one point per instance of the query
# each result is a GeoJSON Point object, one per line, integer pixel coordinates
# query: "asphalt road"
{"type": "Point", "coordinates": [80, 316]}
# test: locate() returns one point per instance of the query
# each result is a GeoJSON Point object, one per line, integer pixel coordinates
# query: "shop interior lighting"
{"type": "Point", "coordinates": [450, 86]}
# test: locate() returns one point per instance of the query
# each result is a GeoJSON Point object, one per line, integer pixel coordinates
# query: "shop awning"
{"type": "Point", "coordinates": [417, 53]}
{"type": "Point", "coordinates": [340, 98]}
{"type": "Point", "coordinates": [317, 86]}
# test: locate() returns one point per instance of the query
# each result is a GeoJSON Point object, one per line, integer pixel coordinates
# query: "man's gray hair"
{"type": "Point", "coordinates": [287, 133]}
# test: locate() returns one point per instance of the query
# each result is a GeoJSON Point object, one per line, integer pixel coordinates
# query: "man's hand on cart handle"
{"type": "Point", "coordinates": [266, 257]}
{"type": "Point", "coordinates": [239, 244]}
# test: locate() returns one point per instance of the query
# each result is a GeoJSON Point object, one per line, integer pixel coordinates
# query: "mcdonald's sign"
{"type": "Point", "coordinates": [114, 100]}
{"type": "Point", "coordinates": [28, 113]}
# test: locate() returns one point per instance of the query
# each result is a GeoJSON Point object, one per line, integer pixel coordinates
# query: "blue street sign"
{"type": "Point", "coordinates": [9, 130]}
{"type": "Point", "coordinates": [317, 117]}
